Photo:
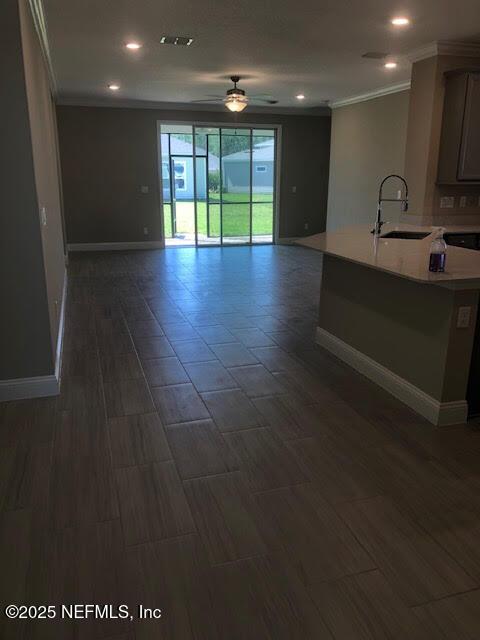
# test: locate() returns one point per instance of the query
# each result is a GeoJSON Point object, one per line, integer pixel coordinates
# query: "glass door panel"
{"type": "Point", "coordinates": [236, 223]}
{"type": "Point", "coordinates": [183, 207]}
{"type": "Point", "coordinates": [208, 200]}
{"type": "Point", "coordinates": [262, 222]}
{"type": "Point", "coordinates": [209, 224]}
{"type": "Point", "coordinates": [236, 179]}
{"type": "Point", "coordinates": [218, 185]}
{"type": "Point", "coordinates": [263, 184]}
{"type": "Point", "coordinates": [165, 180]}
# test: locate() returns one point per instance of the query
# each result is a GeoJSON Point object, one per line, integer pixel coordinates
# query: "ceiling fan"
{"type": "Point", "coordinates": [236, 99]}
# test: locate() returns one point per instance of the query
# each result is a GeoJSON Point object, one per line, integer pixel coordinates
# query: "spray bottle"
{"type": "Point", "coordinates": [438, 251]}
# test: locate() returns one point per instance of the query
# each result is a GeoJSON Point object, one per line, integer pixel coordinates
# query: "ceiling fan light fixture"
{"type": "Point", "coordinates": [236, 101]}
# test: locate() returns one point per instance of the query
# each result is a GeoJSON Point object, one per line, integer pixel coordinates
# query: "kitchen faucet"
{"type": "Point", "coordinates": [377, 229]}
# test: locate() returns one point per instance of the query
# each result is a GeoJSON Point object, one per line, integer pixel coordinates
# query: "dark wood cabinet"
{"type": "Point", "coordinates": [459, 161]}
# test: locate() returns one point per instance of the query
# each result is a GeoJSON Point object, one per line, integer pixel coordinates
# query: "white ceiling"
{"type": "Point", "coordinates": [281, 47]}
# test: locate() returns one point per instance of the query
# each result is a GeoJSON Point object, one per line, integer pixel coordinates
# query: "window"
{"type": "Point", "coordinates": [260, 168]}
{"type": "Point", "coordinates": [165, 171]}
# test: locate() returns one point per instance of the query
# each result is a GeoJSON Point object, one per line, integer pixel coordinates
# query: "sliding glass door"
{"type": "Point", "coordinates": [218, 184]}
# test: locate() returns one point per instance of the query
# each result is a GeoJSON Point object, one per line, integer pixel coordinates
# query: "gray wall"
{"type": "Point", "coordinates": [368, 142]}
{"type": "Point", "coordinates": [408, 327]}
{"type": "Point", "coordinates": [107, 153]}
{"type": "Point", "coordinates": [25, 340]}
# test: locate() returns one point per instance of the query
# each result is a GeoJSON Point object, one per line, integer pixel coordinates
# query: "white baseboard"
{"type": "Point", "coordinates": [436, 412]}
{"type": "Point", "coordinates": [115, 246]}
{"type": "Point", "coordinates": [286, 240]}
{"type": "Point", "coordinates": [25, 388]}
{"type": "Point", "coordinates": [39, 386]}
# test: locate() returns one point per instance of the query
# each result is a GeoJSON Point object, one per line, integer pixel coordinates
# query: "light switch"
{"type": "Point", "coordinates": [43, 216]}
{"type": "Point", "coordinates": [463, 317]}
{"type": "Point", "coordinates": [294, 189]}
{"type": "Point", "coordinates": [144, 189]}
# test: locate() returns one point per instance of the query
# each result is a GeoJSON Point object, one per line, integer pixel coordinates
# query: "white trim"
{"type": "Point", "coordinates": [466, 49]}
{"type": "Point", "coordinates": [439, 413]}
{"type": "Point", "coordinates": [61, 331]}
{"type": "Point", "coordinates": [422, 53]}
{"type": "Point", "coordinates": [114, 246]}
{"type": "Point", "coordinates": [39, 20]}
{"type": "Point", "coordinates": [25, 388]}
{"type": "Point", "coordinates": [287, 240]}
{"type": "Point", "coordinates": [371, 95]}
{"type": "Point", "coordinates": [445, 48]}
{"type": "Point", "coordinates": [159, 183]}
{"type": "Point", "coordinates": [277, 168]}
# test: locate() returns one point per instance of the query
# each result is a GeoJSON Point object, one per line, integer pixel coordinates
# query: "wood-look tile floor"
{"type": "Point", "coordinates": [206, 458]}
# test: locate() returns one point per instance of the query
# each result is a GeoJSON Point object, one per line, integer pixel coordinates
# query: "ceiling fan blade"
{"type": "Point", "coordinates": [209, 100]}
{"type": "Point", "coordinates": [263, 100]}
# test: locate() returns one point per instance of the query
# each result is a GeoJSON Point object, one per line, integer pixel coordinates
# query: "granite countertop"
{"type": "Point", "coordinates": [404, 258]}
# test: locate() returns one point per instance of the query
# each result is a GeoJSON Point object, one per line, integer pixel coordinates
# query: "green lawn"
{"type": "Point", "coordinates": [241, 197]}
{"type": "Point", "coordinates": [236, 217]}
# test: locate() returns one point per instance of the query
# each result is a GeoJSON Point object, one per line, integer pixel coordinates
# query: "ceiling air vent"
{"type": "Point", "coordinates": [375, 55]}
{"type": "Point", "coordinates": [180, 41]}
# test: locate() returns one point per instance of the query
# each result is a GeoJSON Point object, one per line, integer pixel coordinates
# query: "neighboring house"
{"type": "Point", "coordinates": [236, 169]}
{"type": "Point", "coordinates": [181, 161]}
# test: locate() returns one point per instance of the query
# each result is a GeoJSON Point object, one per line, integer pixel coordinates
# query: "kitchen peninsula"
{"type": "Point", "coordinates": [411, 331]}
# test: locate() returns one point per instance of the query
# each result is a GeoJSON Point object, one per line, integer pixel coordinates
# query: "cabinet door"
{"type": "Point", "coordinates": [469, 162]}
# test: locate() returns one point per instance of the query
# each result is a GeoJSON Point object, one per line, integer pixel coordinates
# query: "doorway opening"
{"type": "Point", "coordinates": [218, 184]}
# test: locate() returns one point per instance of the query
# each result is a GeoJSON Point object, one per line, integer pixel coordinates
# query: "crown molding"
{"type": "Point", "coordinates": [445, 48]}
{"type": "Point", "coordinates": [466, 49]}
{"type": "Point", "coordinates": [39, 20]}
{"type": "Point", "coordinates": [371, 95]}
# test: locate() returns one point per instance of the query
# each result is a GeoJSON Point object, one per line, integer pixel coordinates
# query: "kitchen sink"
{"type": "Point", "coordinates": [407, 235]}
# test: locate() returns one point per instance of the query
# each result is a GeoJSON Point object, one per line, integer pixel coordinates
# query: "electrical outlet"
{"type": "Point", "coordinates": [463, 317]}
{"type": "Point", "coordinates": [463, 202]}
{"type": "Point", "coordinates": [305, 226]}
{"type": "Point", "coordinates": [144, 189]}
{"type": "Point", "coordinates": [447, 202]}
{"type": "Point", "coordinates": [145, 231]}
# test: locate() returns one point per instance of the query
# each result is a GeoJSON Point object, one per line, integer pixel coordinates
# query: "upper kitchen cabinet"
{"type": "Point", "coordinates": [459, 160]}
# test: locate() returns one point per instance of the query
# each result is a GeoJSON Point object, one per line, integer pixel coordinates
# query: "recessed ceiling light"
{"type": "Point", "coordinates": [390, 65]}
{"type": "Point", "coordinates": [400, 21]}
{"type": "Point", "coordinates": [114, 87]}
{"type": "Point", "coordinates": [133, 46]}
{"type": "Point", "coordinates": [300, 96]}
